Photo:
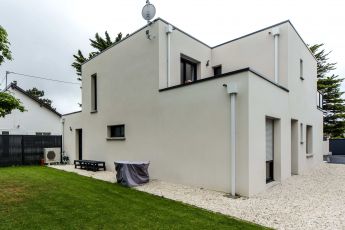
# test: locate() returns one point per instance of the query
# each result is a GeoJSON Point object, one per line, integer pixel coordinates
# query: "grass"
{"type": "Point", "coordinates": [45, 198]}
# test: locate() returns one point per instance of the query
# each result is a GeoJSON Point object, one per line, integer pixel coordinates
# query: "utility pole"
{"type": "Point", "coordinates": [7, 72]}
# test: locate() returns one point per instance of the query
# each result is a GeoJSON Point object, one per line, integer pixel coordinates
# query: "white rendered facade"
{"type": "Point", "coordinates": [37, 119]}
{"type": "Point", "coordinates": [184, 129]}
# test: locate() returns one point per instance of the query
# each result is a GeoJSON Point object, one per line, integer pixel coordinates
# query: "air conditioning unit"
{"type": "Point", "coordinates": [52, 155]}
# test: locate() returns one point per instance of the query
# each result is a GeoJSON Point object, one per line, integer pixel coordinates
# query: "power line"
{"type": "Point", "coordinates": [43, 78]}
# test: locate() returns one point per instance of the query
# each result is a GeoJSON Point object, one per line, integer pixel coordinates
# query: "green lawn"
{"type": "Point", "coordinates": [45, 198]}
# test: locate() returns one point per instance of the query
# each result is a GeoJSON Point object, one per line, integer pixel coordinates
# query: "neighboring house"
{"type": "Point", "coordinates": [39, 119]}
{"type": "Point", "coordinates": [162, 95]}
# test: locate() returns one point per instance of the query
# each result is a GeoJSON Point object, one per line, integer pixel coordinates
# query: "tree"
{"type": "Point", "coordinates": [100, 44]}
{"type": "Point", "coordinates": [79, 60]}
{"type": "Point", "coordinates": [7, 101]}
{"type": "Point", "coordinates": [5, 52]}
{"type": "Point", "coordinates": [39, 94]}
{"type": "Point", "coordinates": [329, 85]}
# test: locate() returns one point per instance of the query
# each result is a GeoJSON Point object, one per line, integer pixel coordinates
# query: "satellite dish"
{"type": "Point", "coordinates": [149, 11]}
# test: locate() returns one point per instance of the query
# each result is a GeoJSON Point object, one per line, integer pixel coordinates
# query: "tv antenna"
{"type": "Point", "coordinates": [149, 11]}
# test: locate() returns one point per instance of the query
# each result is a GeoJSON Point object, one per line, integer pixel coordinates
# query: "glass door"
{"type": "Point", "coordinates": [269, 150]}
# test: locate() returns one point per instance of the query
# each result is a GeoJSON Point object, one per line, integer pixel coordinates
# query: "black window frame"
{"type": "Point", "coordinates": [43, 134]}
{"type": "Point", "coordinates": [5, 133]}
{"type": "Point", "coordinates": [301, 69]}
{"type": "Point", "coordinates": [94, 104]}
{"type": "Point", "coordinates": [215, 68]}
{"type": "Point", "coordinates": [183, 62]}
{"type": "Point", "coordinates": [116, 131]}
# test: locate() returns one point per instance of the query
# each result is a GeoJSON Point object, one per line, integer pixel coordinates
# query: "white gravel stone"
{"type": "Point", "coordinates": [100, 175]}
{"type": "Point", "coordinates": [313, 200]}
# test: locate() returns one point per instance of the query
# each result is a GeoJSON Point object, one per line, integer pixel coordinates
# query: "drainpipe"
{"type": "Point", "coordinates": [232, 91]}
{"type": "Point", "coordinates": [168, 31]}
{"type": "Point", "coordinates": [63, 137]}
{"type": "Point", "coordinates": [275, 34]}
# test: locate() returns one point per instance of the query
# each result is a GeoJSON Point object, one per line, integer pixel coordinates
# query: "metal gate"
{"type": "Point", "coordinates": [337, 146]}
{"type": "Point", "coordinates": [25, 149]}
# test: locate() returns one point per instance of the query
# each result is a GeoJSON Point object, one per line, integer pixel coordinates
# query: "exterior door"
{"type": "Point", "coordinates": [80, 143]}
{"type": "Point", "coordinates": [269, 150]}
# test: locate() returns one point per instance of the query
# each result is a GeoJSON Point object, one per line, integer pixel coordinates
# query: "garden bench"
{"type": "Point", "coordinates": [89, 165]}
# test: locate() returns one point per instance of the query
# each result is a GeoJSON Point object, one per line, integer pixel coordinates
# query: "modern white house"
{"type": "Point", "coordinates": [238, 117]}
{"type": "Point", "coordinates": [38, 119]}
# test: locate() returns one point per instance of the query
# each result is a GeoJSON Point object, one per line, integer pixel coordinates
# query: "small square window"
{"type": "Point", "coordinates": [217, 70]}
{"type": "Point", "coordinates": [5, 133]}
{"type": "Point", "coordinates": [116, 131]}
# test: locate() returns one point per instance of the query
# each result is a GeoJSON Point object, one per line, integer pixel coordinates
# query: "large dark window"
{"type": "Point", "coordinates": [116, 131]}
{"type": "Point", "coordinates": [94, 93]}
{"type": "Point", "coordinates": [188, 71]}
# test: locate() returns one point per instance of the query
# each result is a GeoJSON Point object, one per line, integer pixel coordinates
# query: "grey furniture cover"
{"type": "Point", "coordinates": [132, 174]}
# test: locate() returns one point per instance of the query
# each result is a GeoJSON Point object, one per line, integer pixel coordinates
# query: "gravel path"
{"type": "Point", "coordinates": [314, 200]}
{"type": "Point", "coordinates": [100, 175]}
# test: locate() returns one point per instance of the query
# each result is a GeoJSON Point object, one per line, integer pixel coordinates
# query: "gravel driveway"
{"type": "Point", "coordinates": [314, 200]}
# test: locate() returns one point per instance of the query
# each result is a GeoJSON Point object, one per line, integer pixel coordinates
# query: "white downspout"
{"type": "Point", "coordinates": [63, 136]}
{"type": "Point", "coordinates": [169, 30]}
{"type": "Point", "coordinates": [232, 91]}
{"type": "Point", "coordinates": [275, 33]}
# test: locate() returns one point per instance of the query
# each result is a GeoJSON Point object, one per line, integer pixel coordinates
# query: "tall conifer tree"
{"type": "Point", "coordinates": [329, 85]}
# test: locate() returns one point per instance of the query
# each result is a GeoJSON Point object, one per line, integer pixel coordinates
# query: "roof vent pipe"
{"type": "Point", "coordinates": [275, 33]}
{"type": "Point", "coordinates": [169, 30]}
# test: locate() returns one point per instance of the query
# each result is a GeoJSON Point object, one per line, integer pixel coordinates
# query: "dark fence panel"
{"type": "Point", "coordinates": [25, 149]}
{"type": "Point", "coordinates": [337, 146]}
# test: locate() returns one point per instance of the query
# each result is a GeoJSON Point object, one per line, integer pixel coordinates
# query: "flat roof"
{"type": "Point", "coordinates": [225, 75]}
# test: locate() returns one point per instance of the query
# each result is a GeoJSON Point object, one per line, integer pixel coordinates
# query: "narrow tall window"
{"type": "Point", "coordinates": [301, 69]}
{"type": "Point", "coordinates": [319, 98]}
{"type": "Point", "coordinates": [301, 130]}
{"type": "Point", "coordinates": [188, 71]}
{"type": "Point", "coordinates": [94, 93]}
{"type": "Point", "coordinates": [309, 139]}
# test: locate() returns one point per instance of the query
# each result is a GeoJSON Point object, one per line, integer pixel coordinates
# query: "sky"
{"type": "Point", "coordinates": [45, 34]}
